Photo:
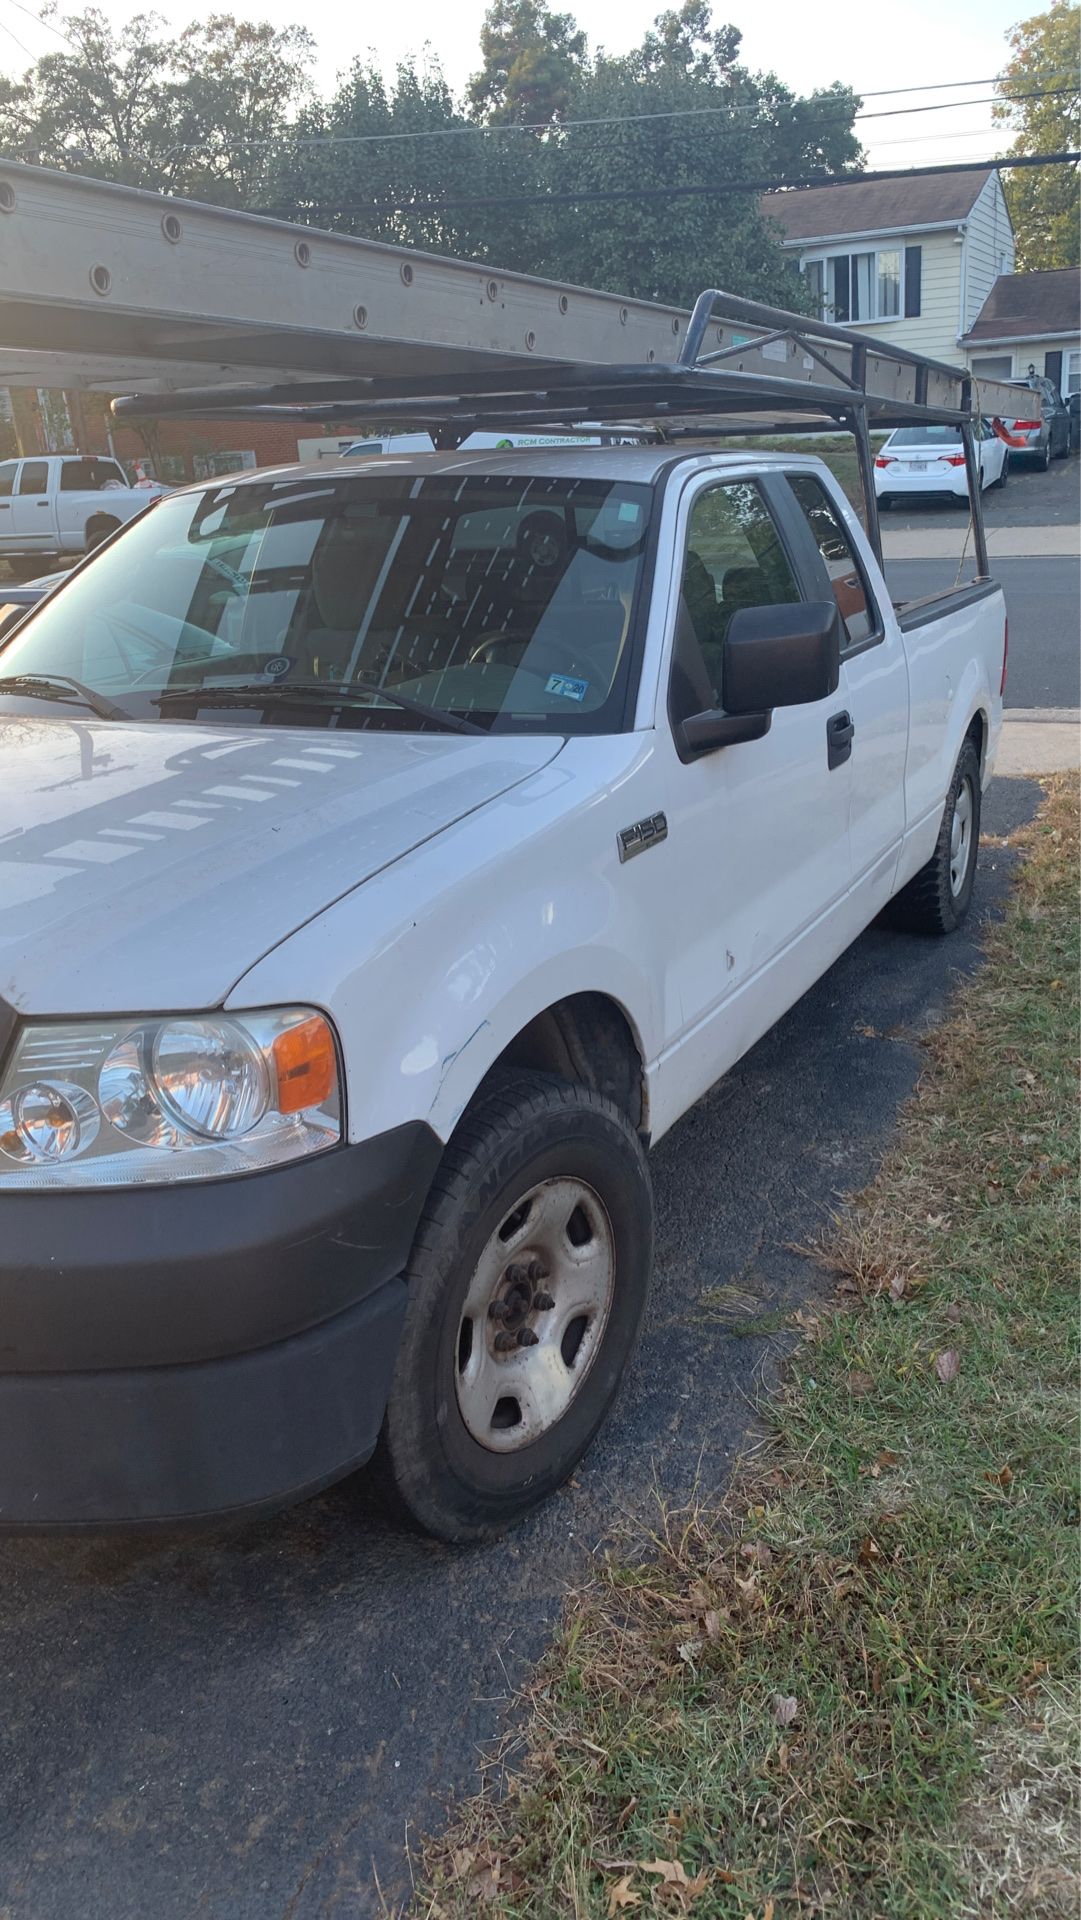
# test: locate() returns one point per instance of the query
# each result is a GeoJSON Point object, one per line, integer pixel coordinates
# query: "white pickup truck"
{"type": "Point", "coordinates": [58, 503]}
{"type": "Point", "coordinates": [390, 856]}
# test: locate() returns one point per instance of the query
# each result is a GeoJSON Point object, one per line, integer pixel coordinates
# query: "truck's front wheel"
{"type": "Point", "coordinates": [527, 1284]}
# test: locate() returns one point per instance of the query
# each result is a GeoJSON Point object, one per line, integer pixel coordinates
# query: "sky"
{"type": "Point", "coordinates": [874, 48]}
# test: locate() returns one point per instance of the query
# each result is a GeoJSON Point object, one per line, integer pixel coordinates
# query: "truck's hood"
{"type": "Point", "coordinates": [149, 866]}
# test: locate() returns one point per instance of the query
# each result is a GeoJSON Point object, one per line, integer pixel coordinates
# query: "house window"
{"type": "Point", "coordinates": [889, 285]}
{"type": "Point", "coordinates": [1073, 373]}
{"type": "Point", "coordinates": [854, 287]}
{"type": "Point", "coordinates": [208, 465]}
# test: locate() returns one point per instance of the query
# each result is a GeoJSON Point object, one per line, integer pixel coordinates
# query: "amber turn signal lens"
{"type": "Point", "coordinates": [305, 1065]}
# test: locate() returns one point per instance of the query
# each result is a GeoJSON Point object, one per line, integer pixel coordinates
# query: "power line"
{"type": "Point", "coordinates": [821, 100]}
{"type": "Point", "coordinates": [715, 190]}
{"type": "Point", "coordinates": [19, 43]}
{"type": "Point", "coordinates": [40, 21]}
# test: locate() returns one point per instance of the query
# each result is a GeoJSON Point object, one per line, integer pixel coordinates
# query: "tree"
{"type": "Point", "coordinates": [531, 58]}
{"type": "Point", "coordinates": [197, 115]}
{"type": "Point", "coordinates": [1040, 99]}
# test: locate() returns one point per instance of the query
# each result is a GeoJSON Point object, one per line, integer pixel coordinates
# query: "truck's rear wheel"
{"type": "Point", "coordinates": [99, 529]}
{"type": "Point", "coordinates": [527, 1284]}
{"type": "Point", "coordinates": [937, 898]}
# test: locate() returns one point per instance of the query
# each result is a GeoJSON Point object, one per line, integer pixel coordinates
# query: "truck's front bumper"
{"type": "Point", "coordinates": [174, 1353]}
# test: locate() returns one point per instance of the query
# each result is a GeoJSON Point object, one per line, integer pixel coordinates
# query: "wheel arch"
{"type": "Point", "coordinates": [587, 1038]}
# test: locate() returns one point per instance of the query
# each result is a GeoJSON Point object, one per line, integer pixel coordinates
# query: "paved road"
{"type": "Point", "coordinates": [1029, 499]}
{"type": "Point", "coordinates": [235, 1727]}
{"type": "Point", "coordinates": [1043, 601]}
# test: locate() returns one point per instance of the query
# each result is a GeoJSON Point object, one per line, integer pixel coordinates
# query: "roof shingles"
{"type": "Point", "coordinates": [875, 206]}
{"type": "Point", "coordinates": [1023, 305]}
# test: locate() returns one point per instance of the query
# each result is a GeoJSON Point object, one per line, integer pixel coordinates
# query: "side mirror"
{"type": "Point", "coordinates": [782, 656]}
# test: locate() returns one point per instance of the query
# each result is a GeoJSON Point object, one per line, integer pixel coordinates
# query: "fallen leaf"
{"type": "Point", "coordinates": [885, 1460]}
{"type": "Point", "coordinates": [757, 1551]}
{"type": "Point", "coordinates": [860, 1383]}
{"type": "Point", "coordinates": [935, 1219]}
{"type": "Point", "coordinates": [712, 1623]}
{"type": "Point", "coordinates": [870, 1552]}
{"type": "Point", "coordinates": [1003, 1478]}
{"type": "Point", "coordinates": [767, 1911]}
{"type": "Point", "coordinates": [785, 1708]}
{"type": "Point", "coordinates": [670, 1871]}
{"type": "Point", "coordinates": [689, 1650]}
{"type": "Point", "coordinates": [625, 1812]}
{"type": "Point", "coordinates": [953, 1313]}
{"type": "Point", "coordinates": [620, 1897]}
{"type": "Point", "coordinates": [948, 1365]}
{"type": "Point", "coordinates": [674, 1820]}
{"type": "Point", "coordinates": [898, 1284]}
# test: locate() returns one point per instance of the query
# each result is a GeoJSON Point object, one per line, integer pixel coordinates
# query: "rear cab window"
{"type": "Point", "coordinates": [90, 476]}
{"type": "Point", "coordinates": [848, 580]}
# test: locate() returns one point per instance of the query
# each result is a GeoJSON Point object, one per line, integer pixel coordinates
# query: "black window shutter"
{"type": "Point", "coordinates": [1052, 366]}
{"type": "Point", "coordinates": [913, 281]}
{"type": "Point", "coordinates": [842, 295]}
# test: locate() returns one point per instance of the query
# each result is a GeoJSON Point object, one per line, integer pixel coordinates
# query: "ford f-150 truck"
{"type": "Point", "coordinates": [61, 503]}
{"type": "Point", "coordinates": [391, 855]}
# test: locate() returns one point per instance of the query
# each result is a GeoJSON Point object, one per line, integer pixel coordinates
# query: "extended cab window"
{"type": "Point", "coordinates": [34, 477]}
{"type": "Point", "coordinates": [90, 476]}
{"type": "Point", "coordinates": [850, 588]}
{"type": "Point", "coordinates": [7, 478]}
{"type": "Point", "coordinates": [734, 559]}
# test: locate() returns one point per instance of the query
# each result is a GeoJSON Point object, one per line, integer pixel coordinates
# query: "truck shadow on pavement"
{"type": "Point", "coordinates": [239, 1724]}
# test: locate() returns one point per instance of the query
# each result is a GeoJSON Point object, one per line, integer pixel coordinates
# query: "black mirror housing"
{"type": "Point", "coordinates": [784, 656]}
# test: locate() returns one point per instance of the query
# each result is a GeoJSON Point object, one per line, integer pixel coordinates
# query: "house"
{"type": "Point", "coordinates": [1030, 322]}
{"type": "Point", "coordinates": [912, 259]}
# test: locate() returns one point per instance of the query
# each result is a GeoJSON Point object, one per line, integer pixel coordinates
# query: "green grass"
{"type": "Point", "coordinates": [846, 1689]}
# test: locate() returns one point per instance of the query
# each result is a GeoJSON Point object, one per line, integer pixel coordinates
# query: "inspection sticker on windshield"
{"type": "Point", "coordinates": [277, 665]}
{"type": "Point", "coordinates": [566, 688]}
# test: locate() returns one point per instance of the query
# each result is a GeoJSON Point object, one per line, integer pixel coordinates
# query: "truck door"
{"type": "Point", "coordinates": [759, 829]}
{"type": "Point", "coordinates": [8, 471]}
{"type": "Point", "coordinates": [33, 513]}
{"type": "Point", "coordinates": [874, 683]}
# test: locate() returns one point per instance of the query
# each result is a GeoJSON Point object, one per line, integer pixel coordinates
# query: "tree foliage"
{"type": "Point", "coordinates": [559, 161]}
{"type": "Point", "coordinates": [197, 114]}
{"type": "Point", "coordinates": [1041, 100]}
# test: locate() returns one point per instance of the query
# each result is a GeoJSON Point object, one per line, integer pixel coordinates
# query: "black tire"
{"type": "Point", "coordinates": [929, 904]}
{"type": "Point", "coordinates": [1044, 461]}
{"type": "Point", "coordinates": [885, 502]}
{"type": "Point", "coordinates": [99, 530]}
{"type": "Point", "coordinates": [524, 1129]}
{"type": "Point", "coordinates": [1004, 475]}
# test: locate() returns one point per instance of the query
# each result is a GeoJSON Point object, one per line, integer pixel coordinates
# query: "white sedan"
{"type": "Point", "coordinates": [929, 463]}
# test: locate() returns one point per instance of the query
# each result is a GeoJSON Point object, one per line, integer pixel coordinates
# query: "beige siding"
{"type": "Point", "coordinates": [988, 250]}
{"type": "Point", "coordinates": [935, 332]}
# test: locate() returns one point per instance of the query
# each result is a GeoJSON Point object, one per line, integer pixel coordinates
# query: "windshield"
{"type": "Point", "coordinates": [504, 602]}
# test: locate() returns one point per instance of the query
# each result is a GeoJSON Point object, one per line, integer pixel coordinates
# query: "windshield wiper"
{"type": "Point", "coordinates": [61, 686]}
{"type": "Point", "coordinates": [257, 693]}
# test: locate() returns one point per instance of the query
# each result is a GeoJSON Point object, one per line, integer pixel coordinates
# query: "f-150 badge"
{"type": "Point", "coordinates": [644, 833]}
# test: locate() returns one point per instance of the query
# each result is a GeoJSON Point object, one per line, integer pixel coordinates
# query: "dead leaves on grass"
{"type": "Point", "coordinates": [674, 1886]}
{"type": "Point", "coordinates": [948, 1365]}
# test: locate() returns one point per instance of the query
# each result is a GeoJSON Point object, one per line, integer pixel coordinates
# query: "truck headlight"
{"type": "Point", "coordinates": [175, 1097]}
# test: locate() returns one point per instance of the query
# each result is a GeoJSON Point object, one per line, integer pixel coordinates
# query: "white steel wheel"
{"type": "Point", "coordinates": [964, 809]}
{"type": "Point", "coordinates": [535, 1314]}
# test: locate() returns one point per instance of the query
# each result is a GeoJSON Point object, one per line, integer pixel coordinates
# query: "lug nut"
{"type": "Point", "coordinates": [542, 1302]}
{"type": "Point", "coordinates": [504, 1342]}
{"type": "Point", "coordinates": [536, 1270]}
{"type": "Point", "coordinates": [526, 1337]}
{"type": "Point", "coordinates": [498, 1310]}
{"type": "Point", "coordinates": [516, 1275]}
